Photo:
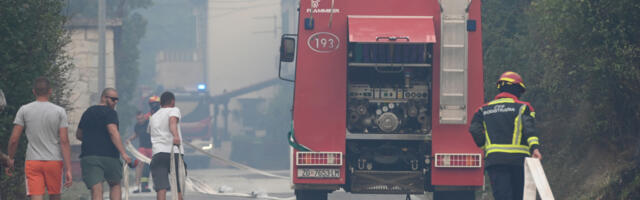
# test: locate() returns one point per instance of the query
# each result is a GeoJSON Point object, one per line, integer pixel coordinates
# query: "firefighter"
{"type": "Point", "coordinates": [140, 129]}
{"type": "Point", "coordinates": [505, 129]}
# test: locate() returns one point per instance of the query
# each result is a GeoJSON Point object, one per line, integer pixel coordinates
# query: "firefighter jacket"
{"type": "Point", "coordinates": [504, 129]}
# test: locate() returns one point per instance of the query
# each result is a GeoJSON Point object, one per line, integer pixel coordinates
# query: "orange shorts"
{"type": "Point", "coordinates": [43, 173]}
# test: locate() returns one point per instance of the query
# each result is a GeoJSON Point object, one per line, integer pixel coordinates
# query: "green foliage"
{"type": "Point", "coordinates": [127, 70]}
{"type": "Point", "coordinates": [596, 51]}
{"type": "Point", "coordinates": [581, 62]}
{"type": "Point", "coordinates": [32, 38]}
{"type": "Point", "coordinates": [503, 30]}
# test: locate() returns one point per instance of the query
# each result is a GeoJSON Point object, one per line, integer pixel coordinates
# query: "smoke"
{"type": "Point", "coordinates": [227, 46]}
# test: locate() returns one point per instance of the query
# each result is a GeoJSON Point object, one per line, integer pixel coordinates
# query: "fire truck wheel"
{"type": "Point", "coordinates": [454, 195]}
{"type": "Point", "coordinates": [311, 194]}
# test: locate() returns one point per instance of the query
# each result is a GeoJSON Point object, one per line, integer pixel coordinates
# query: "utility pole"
{"type": "Point", "coordinates": [200, 13]}
{"type": "Point", "coordinates": [101, 45]}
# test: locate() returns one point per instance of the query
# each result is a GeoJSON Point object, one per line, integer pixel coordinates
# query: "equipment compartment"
{"type": "Point", "coordinates": [389, 88]}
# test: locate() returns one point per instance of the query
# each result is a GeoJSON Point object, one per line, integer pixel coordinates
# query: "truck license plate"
{"type": "Point", "coordinates": [318, 173]}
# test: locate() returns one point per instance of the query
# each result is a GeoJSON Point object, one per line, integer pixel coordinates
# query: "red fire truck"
{"type": "Point", "coordinates": [384, 92]}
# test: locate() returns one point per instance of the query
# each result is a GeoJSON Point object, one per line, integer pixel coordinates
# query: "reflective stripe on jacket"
{"type": "Point", "coordinates": [505, 129]}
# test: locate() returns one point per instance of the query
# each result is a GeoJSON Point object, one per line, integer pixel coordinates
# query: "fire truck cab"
{"type": "Point", "coordinates": [384, 92]}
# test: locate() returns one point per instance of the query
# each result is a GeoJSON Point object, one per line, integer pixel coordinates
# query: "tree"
{"type": "Point", "coordinates": [128, 67]}
{"type": "Point", "coordinates": [504, 26]}
{"type": "Point", "coordinates": [580, 60]}
{"type": "Point", "coordinates": [593, 52]}
{"type": "Point", "coordinates": [127, 53]}
{"type": "Point", "coordinates": [32, 37]}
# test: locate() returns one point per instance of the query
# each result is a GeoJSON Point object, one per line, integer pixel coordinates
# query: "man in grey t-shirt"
{"type": "Point", "coordinates": [45, 125]}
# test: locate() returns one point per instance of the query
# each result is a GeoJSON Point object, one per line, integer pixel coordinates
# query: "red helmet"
{"type": "Point", "coordinates": [154, 104]}
{"type": "Point", "coordinates": [511, 78]}
{"type": "Point", "coordinates": [154, 99]}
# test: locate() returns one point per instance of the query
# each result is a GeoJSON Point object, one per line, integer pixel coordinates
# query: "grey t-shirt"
{"type": "Point", "coordinates": [42, 122]}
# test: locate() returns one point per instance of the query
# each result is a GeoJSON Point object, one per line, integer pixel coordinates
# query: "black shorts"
{"type": "Point", "coordinates": [160, 166]}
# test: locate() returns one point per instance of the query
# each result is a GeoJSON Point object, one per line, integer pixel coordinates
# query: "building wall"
{"type": "Point", "coordinates": [290, 16]}
{"type": "Point", "coordinates": [83, 49]}
{"type": "Point", "coordinates": [179, 71]}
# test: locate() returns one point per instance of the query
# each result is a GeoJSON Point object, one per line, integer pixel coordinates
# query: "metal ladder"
{"type": "Point", "coordinates": [453, 61]}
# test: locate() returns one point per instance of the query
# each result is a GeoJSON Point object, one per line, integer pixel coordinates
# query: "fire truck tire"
{"type": "Point", "coordinates": [454, 195]}
{"type": "Point", "coordinates": [311, 194]}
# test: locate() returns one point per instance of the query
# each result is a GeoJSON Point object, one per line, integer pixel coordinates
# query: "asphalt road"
{"type": "Point", "coordinates": [237, 183]}
{"type": "Point", "coordinates": [338, 195]}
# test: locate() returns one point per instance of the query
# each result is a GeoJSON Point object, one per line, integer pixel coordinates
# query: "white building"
{"type": "Point", "coordinates": [83, 79]}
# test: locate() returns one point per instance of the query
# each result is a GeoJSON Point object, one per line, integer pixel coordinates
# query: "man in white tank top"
{"type": "Point", "coordinates": [164, 127]}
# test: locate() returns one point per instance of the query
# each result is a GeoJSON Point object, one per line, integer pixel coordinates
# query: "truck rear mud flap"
{"type": "Point", "coordinates": [387, 182]}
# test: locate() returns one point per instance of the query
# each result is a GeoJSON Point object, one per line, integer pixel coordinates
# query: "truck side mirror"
{"type": "Point", "coordinates": [287, 54]}
{"type": "Point", "coordinates": [287, 49]}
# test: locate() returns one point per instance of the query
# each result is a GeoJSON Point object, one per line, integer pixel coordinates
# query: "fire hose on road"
{"type": "Point", "coordinates": [180, 176]}
{"type": "Point", "coordinates": [201, 186]}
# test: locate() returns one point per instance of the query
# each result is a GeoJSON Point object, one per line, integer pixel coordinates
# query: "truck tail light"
{"type": "Point", "coordinates": [458, 160]}
{"type": "Point", "coordinates": [319, 158]}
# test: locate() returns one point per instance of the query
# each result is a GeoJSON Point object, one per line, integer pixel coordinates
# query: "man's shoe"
{"type": "Point", "coordinates": [146, 190]}
{"type": "Point", "coordinates": [136, 191]}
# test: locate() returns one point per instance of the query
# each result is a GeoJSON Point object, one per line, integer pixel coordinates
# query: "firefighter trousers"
{"type": "Point", "coordinates": [507, 181]}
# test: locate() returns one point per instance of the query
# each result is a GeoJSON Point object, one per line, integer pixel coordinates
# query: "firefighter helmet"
{"type": "Point", "coordinates": [154, 104]}
{"type": "Point", "coordinates": [154, 99]}
{"type": "Point", "coordinates": [510, 77]}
